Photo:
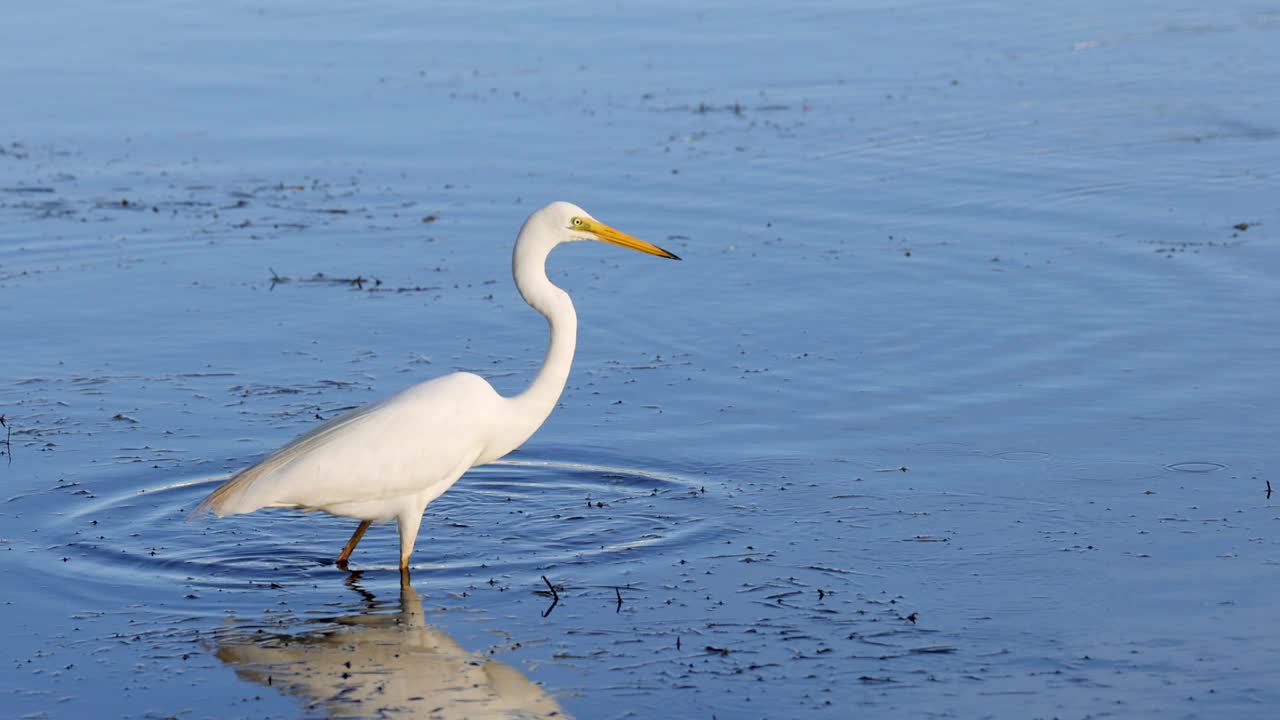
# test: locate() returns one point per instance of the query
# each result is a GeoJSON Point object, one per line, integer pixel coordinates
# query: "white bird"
{"type": "Point", "coordinates": [389, 459]}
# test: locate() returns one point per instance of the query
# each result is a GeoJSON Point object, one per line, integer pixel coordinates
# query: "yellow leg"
{"type": "Point", "coordinates": [351, 544]}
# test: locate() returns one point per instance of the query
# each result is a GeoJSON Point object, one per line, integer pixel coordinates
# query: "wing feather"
{"type": "Point", "coordinates": [417, 441]}
{"type": "Point", "coordinates": [221, 501]}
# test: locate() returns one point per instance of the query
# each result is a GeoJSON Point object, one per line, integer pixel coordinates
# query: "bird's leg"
{"type": "Point", "coordinates": [351, 544]}
{"type": "Point", "coordinates": [408, 524]}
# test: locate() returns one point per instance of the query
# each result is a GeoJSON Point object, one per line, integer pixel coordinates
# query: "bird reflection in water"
{"type": "Point", "coordinates": [380, 663]}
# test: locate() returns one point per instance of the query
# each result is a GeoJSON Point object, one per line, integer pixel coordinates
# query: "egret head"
{"type": "Point", "coordinates": [565, 222]}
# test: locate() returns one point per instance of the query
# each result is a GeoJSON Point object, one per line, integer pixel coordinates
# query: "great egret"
{"type": "Point", "coordinates": [389, 459]}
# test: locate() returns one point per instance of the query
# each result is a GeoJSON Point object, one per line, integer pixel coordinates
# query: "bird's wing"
{"type": "Point", "coordinates": [387, 449]}
{"type": "Point", "coordinates": [218, 500]}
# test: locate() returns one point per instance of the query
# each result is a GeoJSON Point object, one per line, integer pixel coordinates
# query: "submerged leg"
{"type": "Point", "coordinates": [351, 544]}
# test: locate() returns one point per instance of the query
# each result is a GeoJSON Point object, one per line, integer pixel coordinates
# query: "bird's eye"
{"type": "Point", "coordinates": [577, 222]}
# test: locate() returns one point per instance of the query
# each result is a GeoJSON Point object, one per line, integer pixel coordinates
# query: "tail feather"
{"type": "Point", "coordinates": [216, 499]}
{"type": "Point", "coordinates": [220, 502]}
{"type": "Point", "coordinates": [225, 499]}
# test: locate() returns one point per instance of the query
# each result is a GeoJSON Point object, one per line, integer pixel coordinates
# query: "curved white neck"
{"type": "Point", "coordinates": [539, 399]}
{"type": "Point", "coordinates": [530, 409]}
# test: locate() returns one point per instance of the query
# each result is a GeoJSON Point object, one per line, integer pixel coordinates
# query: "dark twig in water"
{"type": "Point", "coordinates": [359, 282]}
{"type": "Point", "coordinates": [405, 289]}
{"type": "Point", "coordinates": [8, 446]}
{"type": "Point", "coordinates": [555, 596]}
{"type": "Point", "coordinates": [619, 592]}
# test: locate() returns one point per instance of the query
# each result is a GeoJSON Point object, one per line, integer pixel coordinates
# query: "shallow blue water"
{"type": "Point", "coordinates": [962, 402]}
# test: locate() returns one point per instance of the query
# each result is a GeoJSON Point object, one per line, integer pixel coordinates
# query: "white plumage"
{"type": "Point", "coordinates": [389, 459]}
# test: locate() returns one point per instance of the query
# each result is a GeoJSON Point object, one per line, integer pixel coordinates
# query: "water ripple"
{"type": "Point", "coordinates": [511, 517]}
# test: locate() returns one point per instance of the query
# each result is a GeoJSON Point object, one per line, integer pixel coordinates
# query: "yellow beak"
{"type": "Point", "coordinates": [617, 237]}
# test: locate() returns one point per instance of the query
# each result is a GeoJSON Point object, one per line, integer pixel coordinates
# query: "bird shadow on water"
{"type": "Point", "coordinates": [384, 659]}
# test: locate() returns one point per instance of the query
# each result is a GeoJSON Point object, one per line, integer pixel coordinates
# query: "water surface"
{"type": "Point", "coordinates": [962, 403]}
